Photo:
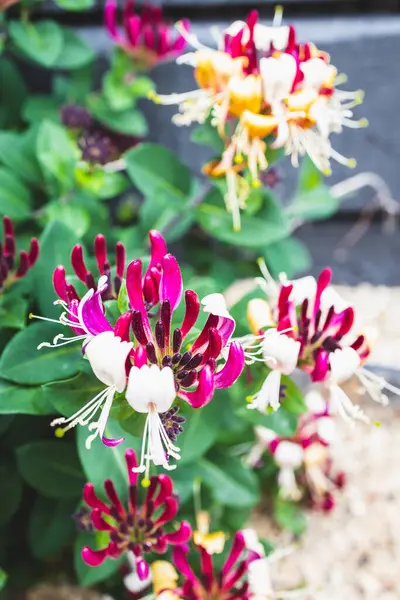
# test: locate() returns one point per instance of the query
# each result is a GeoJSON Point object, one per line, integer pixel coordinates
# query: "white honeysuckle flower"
{"type": "Point", "coordinates": [268, 395]}
{"type": "Point", "coordinates": [216, 305]}
{"type": "Point", "coordinates": [151, 390]}
{"type": "Point", "coordinates": [252, 542]}
{"type": "Point", "coordinates": [344, 364]}
{"type": "Point", "coordinates": [132, 581]}
{"type": "Point", "coordinates": [277, 76]}
{"type": "Point", "coordinates": [107, 356]}
{"type": "Point", "coordinates": [264, 437]}
{"type": "Point", "coordinates": [280, 352]}
{"type": "Point", "coordinates": [316, 72]}
{"type": "Point", "coordinates": [265, 37]}
{"type": "Point", "coordinates": [289, 457]}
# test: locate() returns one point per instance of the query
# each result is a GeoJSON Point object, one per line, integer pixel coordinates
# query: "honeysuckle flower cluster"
{"type": "Point", "coordinates": [308, 326]}
{"type": "Point", "coordinates": [245, 574]}
{"type": "Point", "coordinates": [144, 35]}
{"type": "Point", "coordinates": [304, 459]}
{"type": "Point", "coordinates": [11, 268]}
{"type": "Point", "coordinates": [264, 90]}
{"type": "Point", "coordinates": [141, 354]}
{"type": "Point", "coordinates": [138, 528]}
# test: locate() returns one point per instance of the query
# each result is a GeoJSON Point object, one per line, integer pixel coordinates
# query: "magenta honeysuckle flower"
{"type": "Point", "coordinates": [230, 582]}
{"type": "Point", "coordinates": [310, 327]}
{"type": "Point", "coordinates": [304, 460]}
{"type": "Point", "coordinates": [9, 272]}
{"type": "Point", "coordinates": [146, 36]}
{"type": "Point", "coordinates": [166, 366]}
{"type": "Point", "coordinates": [138, 528]}
{"type": "Point", "coordinates": [141, 353]}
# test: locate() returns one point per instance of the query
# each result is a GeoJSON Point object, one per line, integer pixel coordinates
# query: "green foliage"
{"type": "Point", "coordinates": [15, 198]}
{"type": "Point", "coordinates": [42, 42]}
{"type": "Point", "coordinates": [51, 468]}
{"type": "Point", "coordinates": [50, 526]}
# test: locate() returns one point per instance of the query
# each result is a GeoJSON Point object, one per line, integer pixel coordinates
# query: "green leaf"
{"type": "Point", "coordinates": [42, 41]}
{"type": "Point", "coordinates": [314, 204]}
{"type": "Point", "coordinates": [289, 516]}
{"type": "Point", "coordinates": [99, 182]}
{"type": "Point", "coordinates": [11, 492]}
{"type": "Point", "coordinates": [75, 53]}
{"type": "Point", "coordinates": [70, 395]}
{"type": "Point", "coordinates": [5, 422]}
{"type": "Point", "coordinates": [112, 460]}
{"type": "Point", "coordinates": [88, 576]}
{"type": "Point", "coordinates": [268, 227]}
{"type": "Point", "coordinates": [13, 91]}
{"type": "Point", "coordinates": [18, 154]}
{"type": "Point", "coordinates": [15, 198]}
{"type": "Point", "coordinates": [57, 155]}
{"type": "Point", "coordinates": [207, 135]}
{"type": "Point", "coordinates": [230, 482]}
{"type": "Point", "coordinates": [154, 169]}
{"type": "Point", "coordinates": [75, 5]}
{"type": "Point", "coordinates": [38, 108]}
{"type": "Point", "coordinates": [74, 217]}
{"type": "Point", "coordinates": [56, 244]}
{"type": "Point", "coordinates": [13, 311]}
{"type": "Point", "coordinates": [23, 363]}
{"type": "Point", "coordinates": [294, 399]}
{"type": "Point", "coordinates": [50, 526]}
{"type": "Point", "coordinates": [52, 468]}
{"type": "Point", "coordinates": [128, 122]}
{"type": "Point", "coordinates": [3, 579]}
{"type": "Point", "coordinates": [310, 176]}
{"type": "Point", "coordinates": [200, 430]}
{"type": "Point", "coordinates": [15, 399]}
{"type": "Point", "coordinates": [123, 300]}
{"type": "Point", "coordinates": [288, 256]}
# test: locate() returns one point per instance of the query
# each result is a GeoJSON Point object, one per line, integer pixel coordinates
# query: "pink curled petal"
{"type": "Point", "coordinates": [112, 442]}
{"type": "Point", "coordinates": [191, 313]}
{"type": "Point", "coordinates": [226, 327]}
{"type": "Point", "coordinates": [158, 248]}
{"type": "Point", "coordinates": [133, 28]}
{"type": "Point", "coordinates": [232, 368]}
{"type": "Point", "coordinates": [99, 522]}
{"type": "Point", "coordinates": [140, 356]}
{"type": "Point", "coordinates": [91, 313]}
{"type": "Point", "coordinates": [166, 489]}
{"type": "Point", "coordinates": [60, 283]}
{"type": "Point", "coordinates": [237, 548]}
{"type": "Point", "coordinates": [171, 281]}
{"type": "Point", "coordinates": [169, 513]}
{"type": "Point", "coordinates": [110, 18]}
{"type": "Point", "coordinates": [204, 391]}
{"type": "Point", "coordinates": [135, 292]}
{"type": "Point", "coordinates": [346, 320]}
{"type": "Point", "coordinates": [321, 366]}
{"type": "Point", "coordinates": [181, 536]}
{"type": "Point", "coordinates": [322, 283]}
{"type": "Point", "coordinates": [180, 560]}
{"type": "Point", "coordinates": [122, 327]}
{"type": "Point", "coordinates": [91, 499]}
{"type": "Point", "coordinates": [73, 307]}
{"type": "Point", "coordinates": [206, 565]}
{"type": "Point", "coordinates": [94, 558]}
{"type": "Point", "coordinates": [131, 463]}
{"type": "Point", "coordinates": [142, 569]}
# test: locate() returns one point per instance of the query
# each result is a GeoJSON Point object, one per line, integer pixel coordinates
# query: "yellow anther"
{"type": "Point", "coordinates": [152, 95]}
{"type": "Point", "coordinates": [363, 122]}
{"type": "Point", "coordinates": [256, 183]}
{"type": "Point", "coordinates": [327, 172]}
{"type": "Point", "coordinates": [59, 432]}
{"type": "Point", "coordinates": [377, 423]}
{"type": "Point", "coordinates": [249, 399]}
{"type": "Point", "coordinates": [239, 158]}
{"type": "Point", "coordinates": [352, 163]}
{"type": "Point", "coordinates": [145, 482]}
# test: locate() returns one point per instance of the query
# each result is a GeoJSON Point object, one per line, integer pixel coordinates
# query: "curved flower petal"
{"type": "Point", "coordinates": [94, 558]}
{"type": "Point", "coordinates": [232, 368]}
{"type": "Point", "coordinates": [91, 312]}
{"type": "Point", "coordinates": [215, 304]}
{"type": "Point", "coordinates": [135, 293]}
{"type": "Point", "coordinates": [158, 249]}
{"type": "Point", "coordinates": [181, 536]}
{"type": "Point", "coordinates": [171, 281]}
{"type": "Point", "coordinates": [204, 391]}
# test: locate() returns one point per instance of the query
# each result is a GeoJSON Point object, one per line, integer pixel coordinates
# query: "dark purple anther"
{"type": "Point", "coordinates": [138, 328]}
{"type": "Point", "coordinates": [151, 353]}
{"type": "Point", "coordinates": [176, 340]}
{"type": "Point", "coordinates": [160, 335]}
